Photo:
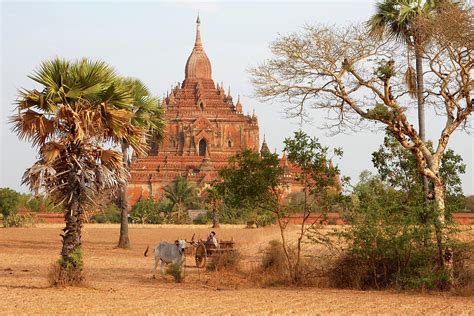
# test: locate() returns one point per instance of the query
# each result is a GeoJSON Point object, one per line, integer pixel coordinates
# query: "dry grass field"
{"type": "Point", "coordinates": [120, 281]}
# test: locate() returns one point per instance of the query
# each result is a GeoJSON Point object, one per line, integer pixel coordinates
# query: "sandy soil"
{"type": "Point", "coordinates": [119, 281]}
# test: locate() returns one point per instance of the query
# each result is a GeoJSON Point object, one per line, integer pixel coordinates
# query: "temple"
{"type": "Point", "coordinates": [205, 127]}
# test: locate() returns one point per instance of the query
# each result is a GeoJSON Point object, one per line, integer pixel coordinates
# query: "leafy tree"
{"type": "Point", "coordinates": [78, 111]}
{"type": "Point", "coordinates": [251, 181]}
{"type": "Point", "coordinates": [320, 182]}
{"type": "Point", "coordinates": [396, 19]}
{"type": "Point", "coordinates": [182, 196]}
{"type": "Point", "coordinates": [398, 167]}
{"type": "Point", "coordinates": [256, 181]}
{"type": "Point", "coordinates": [9, 200]}
{"type": "Point", "coordinates": [148, 115]}
{"type": "Point", "coordinates": [350, 75]}
{"type": "Point", "coordinates": [386, 245]}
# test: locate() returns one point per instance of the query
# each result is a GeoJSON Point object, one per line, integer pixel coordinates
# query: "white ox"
{"type": "Point", "coordinates": [166, 252]}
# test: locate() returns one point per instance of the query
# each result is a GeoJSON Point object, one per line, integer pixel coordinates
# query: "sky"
{"type": "Point", "coordinates": [152, 41]}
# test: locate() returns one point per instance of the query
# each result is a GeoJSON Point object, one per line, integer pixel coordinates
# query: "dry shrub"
{"type": "Point", "coordinates": [229, 260]}
{"type": "Point", "coordinates": [347, 272]}
{"type": "Point", "coordinates": [274, 270]}
{"type": "Point", "coordinates": [227, 279]}
{"type": "Point", "coordinates": [463, 261]}
{"type": "Point", "coordinates": [274, 257]}
{"type": "Point", "coordinates": [226, 272]}
{"type": "Point", "coordinates": [59, 277]}
{"type": "Point", "coordinates": [466, 288]}
{"type": "Point", "coordinates": [355, 272]}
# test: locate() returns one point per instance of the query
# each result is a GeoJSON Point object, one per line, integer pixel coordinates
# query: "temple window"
{"type": "Point", "coordinates": [202, 147]}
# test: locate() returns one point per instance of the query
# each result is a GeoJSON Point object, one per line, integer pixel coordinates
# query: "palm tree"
{"type": "Point", "coordinates": [181, 194]}
{"type": "Point", "coordinates": [77, 114]}
{"type": "Point", "coordinates": [213, 198]}
{"type": "Point", "coordinates": [397, 20]}
{"type": "Point", "coordinates": [147, 114]}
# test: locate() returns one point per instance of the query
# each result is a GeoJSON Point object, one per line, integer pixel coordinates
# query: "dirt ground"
{"type": "Point", "coordinates": [120, 281]}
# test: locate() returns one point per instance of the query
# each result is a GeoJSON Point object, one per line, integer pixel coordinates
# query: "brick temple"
{"type": "Point", "coordinates": [205, 127]}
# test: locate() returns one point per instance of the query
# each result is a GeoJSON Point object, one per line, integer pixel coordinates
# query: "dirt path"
{"type": "Point", "coordinates": [119, 281]}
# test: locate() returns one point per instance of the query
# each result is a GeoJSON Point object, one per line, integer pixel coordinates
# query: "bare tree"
{"type": "Point", "coordinates": [353, 76]}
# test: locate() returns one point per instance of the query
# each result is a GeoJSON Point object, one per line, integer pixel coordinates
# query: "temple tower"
{"type": "Point", "coordinates": [204, 129]}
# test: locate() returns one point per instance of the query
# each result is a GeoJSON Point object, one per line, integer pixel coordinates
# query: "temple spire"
{"type": "Point", "coordinates": [238, 106]}
{"type": "Point", "coordinates": [264, 148]}
{"type": "Point", "coordinates": [198, 43]}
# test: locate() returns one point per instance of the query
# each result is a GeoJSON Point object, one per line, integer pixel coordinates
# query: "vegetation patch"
{"type": "Point", "coordinates": [67, 272]}
{"type": "Point", "coordinates": [19, 220]}
{"type": "Point", "coordinates": [229, 260]}
{"type": "Point", "coordinates": [176, 271]}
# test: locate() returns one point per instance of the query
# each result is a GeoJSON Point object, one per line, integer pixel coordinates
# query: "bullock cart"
{"type": "Point", "coordinates": [205, 249]}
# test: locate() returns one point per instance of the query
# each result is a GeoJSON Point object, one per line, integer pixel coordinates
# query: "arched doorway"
{"type": "Point", "coordinates": [202, 147]}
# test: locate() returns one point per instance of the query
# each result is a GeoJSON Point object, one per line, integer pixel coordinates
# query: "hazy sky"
{"type": "Point", "coordinates": [152, 41]}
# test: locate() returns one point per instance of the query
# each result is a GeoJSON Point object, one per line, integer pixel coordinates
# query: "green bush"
{"type": "Point", "coordinates": [19, 220]}
{"type": "Point", "coordinates": [9, 200]}
{"type": "Point", "coordinates": [145, 211]}
{"type": "Point", "coordinates": [265, 219]}
{"type": "Point", "coordinates": [387, 245]}
{"type": "Point", "coordinates": [176, 271]}
{"type": "Point", "coordinates": [110, 214]}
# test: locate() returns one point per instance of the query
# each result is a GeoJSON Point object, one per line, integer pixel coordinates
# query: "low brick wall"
{"type": "Point", "coordinates": [332, 219]}
{"type": "Point", "coordinates": [296, 218]}
{"type": "Point", "coordinates": [47, 217]}
{"type": "Point", "coordinates": [335, 218]}
{"type": "Point", "coordinates": [464, 218]}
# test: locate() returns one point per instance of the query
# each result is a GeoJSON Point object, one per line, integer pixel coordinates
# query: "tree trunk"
{"type": "Point", "coordinates": [421, 123]}
{"type": "Point", "coordinates": [215, 216]}
{"type": "Point", "coordinates": [72, 231]}
{"type": "Point", "coordinates": [291, 269]}
{"type": "Point", "coordinates": [124, 241]}
{"type": "Point", "coordinates": [445, 252]}
{"type": "Point", "coordinates": [71, 256]}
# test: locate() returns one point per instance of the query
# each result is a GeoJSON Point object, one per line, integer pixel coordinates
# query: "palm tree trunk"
{"type": "Point", "coordinates": [421, 122]}
{"type": "Point", "coordinates": [71, 256]}
{"type": "Point", "coordinates": [124, 241]}
{"type": "Point", "coordinates": [72, 231]}
{"type": "Point", "coordinates": [215, 216]}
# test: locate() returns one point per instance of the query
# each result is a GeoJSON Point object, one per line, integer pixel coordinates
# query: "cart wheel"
{"type": "Point", "coordinates": [201, 256]}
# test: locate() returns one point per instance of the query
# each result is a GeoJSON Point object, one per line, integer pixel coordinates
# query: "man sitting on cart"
{"type": "Point", "coordinates": [211, 239]}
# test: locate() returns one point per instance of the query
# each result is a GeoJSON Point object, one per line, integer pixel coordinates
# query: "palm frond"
{"type": "Point", "coordinates": [33, 126]}
{"type": "Point", "coordinates": [51, 151]}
